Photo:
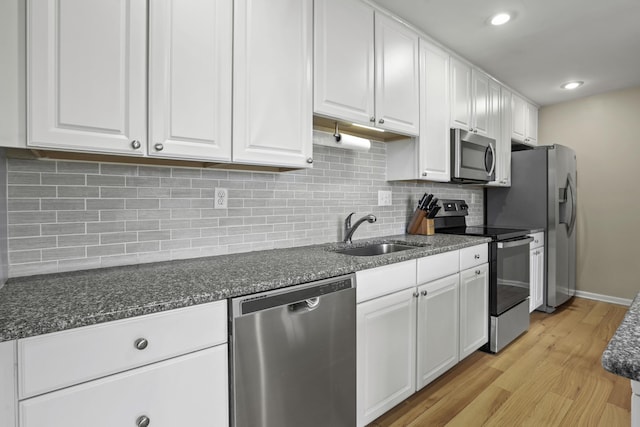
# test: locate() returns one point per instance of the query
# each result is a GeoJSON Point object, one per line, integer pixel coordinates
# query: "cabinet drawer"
{"type": "Point", "coordinates": [385, 280]}
{"type": "Point", "coordinates": [474, 255]}
{"type": "Point", "coordinates": [538, 240]}
{"type": "Point", "coordinates": [184, 391]}
{"type": "Point", "coordinates": [437, 266]}
{"type": "Point", "coordinates": [62, 359]}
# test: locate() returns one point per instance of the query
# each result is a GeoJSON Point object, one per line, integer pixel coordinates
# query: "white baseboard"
{"type": "Point", "coordinates": [604, 298]}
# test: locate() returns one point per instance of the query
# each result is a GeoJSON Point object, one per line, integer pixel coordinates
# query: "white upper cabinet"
{"type": "Point", "coordinates": [366, 67]}
{"type": "Point", "coordinates": [397, 73]}
{"type": "Point", "coordinates": [460, 94]}
{"type": "Point", "coordinates": [87, 75]}
{"type": "Point", "coordinates": [531, 135]}
{"type": "Point", "coordinates": [427, 158]}
{"type": "Point", "coordinates": [190, 45]}
{"type": "Point", "coordinates": [469, 98]}
{"type": "Point", "coordinates": [481, 116]}
{"type": "Point", "coordinates": [434, 146]}
{"type": "Point", "coordinates": [500, 107]}
{"type": "Point", "coordinates": [344, 60]}
{"type": "Point", "coordinates": [524, 121]}
{"type": "Point", "coordinates": [272, 82]}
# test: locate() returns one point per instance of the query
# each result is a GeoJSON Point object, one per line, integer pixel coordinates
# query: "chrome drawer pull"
{"type": "Point", "coordinates": [143, 421]}
{"type": "Point", "coordinates": [476, 256]}
{"type": "Point", "coordinates": [141, 343]}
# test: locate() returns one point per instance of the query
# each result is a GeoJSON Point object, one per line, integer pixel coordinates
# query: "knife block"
{"type": "Point", "coordinates": [427, 227]}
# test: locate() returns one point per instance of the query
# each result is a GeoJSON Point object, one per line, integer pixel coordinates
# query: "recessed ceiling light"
{"type": "Point", "coordinates": [571, 85]}
{"type": "Point", "coordinates": [500, 19]}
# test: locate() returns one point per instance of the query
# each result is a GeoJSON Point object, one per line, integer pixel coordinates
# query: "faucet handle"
{"type": "Point", "coordinates": [347, 220]}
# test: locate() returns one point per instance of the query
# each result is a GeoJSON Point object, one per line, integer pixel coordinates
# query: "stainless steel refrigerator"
{"type": "Point", "coordinates": [543, 195]}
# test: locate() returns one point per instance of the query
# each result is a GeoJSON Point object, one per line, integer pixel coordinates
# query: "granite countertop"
{"type": "Point", "coordinates": [622, 355]}
{"type": "Point", "coordinates": [42, 304]}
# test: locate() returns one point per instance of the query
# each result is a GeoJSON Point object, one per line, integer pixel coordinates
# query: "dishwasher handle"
{"type": "Point", "coordinates": [308, 304]}
{"type": "Point", "coordinates": [306, 296]}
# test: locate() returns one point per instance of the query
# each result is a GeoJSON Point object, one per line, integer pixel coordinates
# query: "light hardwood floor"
{"type": "Point", "coordinates": [550, 376]}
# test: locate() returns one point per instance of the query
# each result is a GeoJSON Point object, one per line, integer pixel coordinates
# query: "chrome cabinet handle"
{"type": "Point", "coordinates": [309, 160]}
{"type": "Point", "coordinates": [416, 294]}
{"type": "Point", "coordinates": [424, 293]}
{"type": "Point", "coordinates": [476, 256]}
{"type": "Point", "coordinates": [372, 119]}
{"type": "Point", "coordinates": [424, 174]}
{"type": "Point", "coordinates": [478, 272]}
{"type": "Point", "coordinates": [135, 144]}
{"type": "Point", "coordinates": [143, 421]}
{"type": "Point", "coordinates": [381, 121]}
{"type": "Point", "coordinates": [141, 343]}
{"type": "Point", "coordinates": [159, 147]}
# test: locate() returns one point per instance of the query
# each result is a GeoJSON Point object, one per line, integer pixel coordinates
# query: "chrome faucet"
{"type": "Point", "coordinates": [349, 230]}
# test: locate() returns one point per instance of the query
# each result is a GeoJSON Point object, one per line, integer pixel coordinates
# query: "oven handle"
{"type": "Point", "coordinates": [514, 243]}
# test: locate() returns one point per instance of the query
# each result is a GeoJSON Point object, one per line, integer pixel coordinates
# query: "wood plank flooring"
{"type": "Point", "coordinates": [551, 376]}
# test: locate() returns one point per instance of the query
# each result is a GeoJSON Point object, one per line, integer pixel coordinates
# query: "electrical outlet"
{"type": "Point", "coordinates": [385, 198]}
{"type": "Point", "coordinates": [220, 199]}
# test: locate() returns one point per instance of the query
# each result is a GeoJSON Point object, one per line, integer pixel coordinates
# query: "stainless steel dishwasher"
{"type": "Point", "coordinates": [293, 356]}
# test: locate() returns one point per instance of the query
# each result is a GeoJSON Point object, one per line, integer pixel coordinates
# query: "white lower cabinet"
{"type": "Point", "coordinates": [410, 331]}
{"type": "Point", "coordinates": [161, 369]}
{"type": "Point", "coordinates": [635, 403]}
{"type": "Point", "coordinates": [474, 309]}
{"type": "Point", "coordinates": [386, 336]}
{"type": "Point", "coordinates": [187, 390]}
{"type": "Point", "coordinates": [8, 384]}
{"type": "Point", "coordinates": [536, 271]}
{"type": "Point", "coordinates": [437, 331]}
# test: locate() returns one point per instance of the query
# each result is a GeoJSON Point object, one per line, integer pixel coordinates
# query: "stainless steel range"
{"type": "Point", "coordinates": [508, 272]}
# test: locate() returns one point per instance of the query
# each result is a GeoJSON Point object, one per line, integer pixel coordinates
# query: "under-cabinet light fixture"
{"type": "Point", "coordinates": [368, 127]}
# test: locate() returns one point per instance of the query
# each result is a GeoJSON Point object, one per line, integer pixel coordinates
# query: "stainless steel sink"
{"type": "Point", "coordinates": [376, 249]}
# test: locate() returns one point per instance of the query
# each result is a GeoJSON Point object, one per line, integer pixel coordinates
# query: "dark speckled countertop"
{"type": "Point", "coordinates": [622, 355]}
{"type": "Point", "coordinates": [42, 304]}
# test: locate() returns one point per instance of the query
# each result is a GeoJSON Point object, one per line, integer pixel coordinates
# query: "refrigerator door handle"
{"type": "Point", "coordinates": [571, 188]}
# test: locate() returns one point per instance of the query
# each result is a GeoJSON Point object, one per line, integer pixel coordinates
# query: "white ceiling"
{"type": "Point", "coordinates": [549, 42]}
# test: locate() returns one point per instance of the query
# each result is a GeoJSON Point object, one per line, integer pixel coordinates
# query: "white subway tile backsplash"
{"type": "Point", "coordinates": [66, 215]}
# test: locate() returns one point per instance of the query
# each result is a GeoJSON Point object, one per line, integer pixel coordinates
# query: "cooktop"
{"type": "Point", "coordinates": [451, 220]}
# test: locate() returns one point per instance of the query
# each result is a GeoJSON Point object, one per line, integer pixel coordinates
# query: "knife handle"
{"type": "Point", "coordinates": [416, 221]}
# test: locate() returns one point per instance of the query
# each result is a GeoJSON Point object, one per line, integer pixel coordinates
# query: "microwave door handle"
{"type": "Point", "coordinates": [493, 159]}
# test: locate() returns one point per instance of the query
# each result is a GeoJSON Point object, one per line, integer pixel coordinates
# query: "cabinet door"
{"type": "Point", "coordinates": [87, 75]}
{"type": "Point", "coordinates": [497, 123]}
{"type": "Point", "coordinates": [480, 114]}
{"type": "Point", "coordinates": [397, 69]}
{"type": "Point", "coordinates": [474, 309]}
{"type": "Point", "coordinates": [272, 84]}
{"type": "Point", "coordinates": [187, 390]}
{"type": "Point", "coordinates": [536, 278]}
{"type": "Point", "coordinates": [386, 335]}
{"type": "Point", "coordinates": [435, 148]}
{"type": "Point", "coordinates": [505, 132]}
{"type": "Point", "coordinates": [8, 384]}
{"type": "Point", "coordinates": [519, 118]}
{"type": "Point", "coordinates": [190, 79]}
{"type": "Point", "coordinates": [531, 136]}
{"type": "Point", "coordinates": [344, 60]}
{"type": "Point", "coordinates": [460, 94]}
{"type": "Point", "coordinates": [437, 333]}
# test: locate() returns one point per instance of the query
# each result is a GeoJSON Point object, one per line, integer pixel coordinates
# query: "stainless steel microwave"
{"type": "Point", "coordinates": [473, 157]}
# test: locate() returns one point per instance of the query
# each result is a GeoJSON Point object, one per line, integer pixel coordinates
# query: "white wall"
{"type": "Point", "coordinates": [604, 130]}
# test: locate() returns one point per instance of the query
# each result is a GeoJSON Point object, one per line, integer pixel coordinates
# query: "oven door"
{"type": "Point", "coordinates": [512, 274]}
{"type": "Point", "coordinates": [474, 157]}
